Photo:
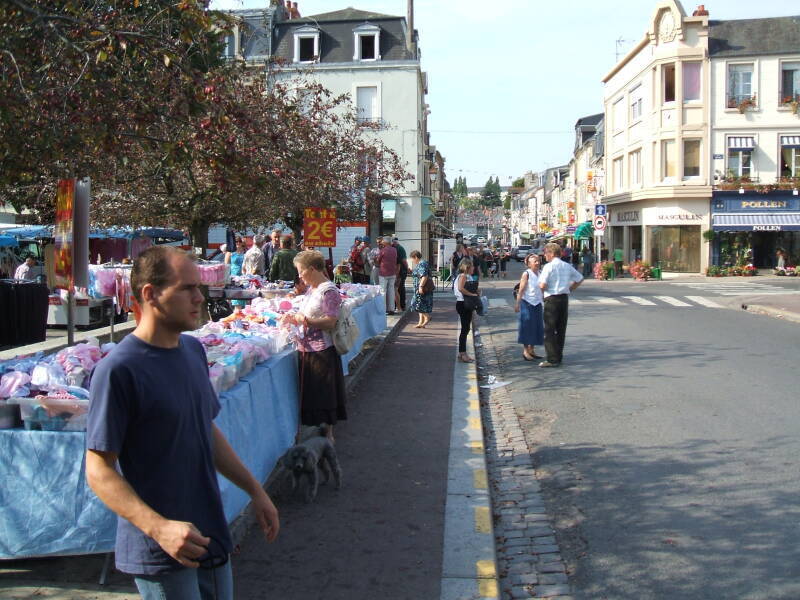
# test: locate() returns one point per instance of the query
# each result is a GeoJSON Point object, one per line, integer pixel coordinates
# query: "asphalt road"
{"type": "Point", "coordinates": [666, 443]}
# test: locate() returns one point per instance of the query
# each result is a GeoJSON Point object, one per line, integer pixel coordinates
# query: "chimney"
{"type": "Point", "coordinates": [410, 35]}
{"type": "Point", "coordinates": [295, 11]}
{"type": "Point", "coordinates": [289, 9]}
{"type": "Point", "coordinates": [700, 11]}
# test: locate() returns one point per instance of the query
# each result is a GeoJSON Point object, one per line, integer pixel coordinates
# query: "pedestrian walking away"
{"type": "Point", "coordinates": [587, 259]}
{"type": "Point", "coordinates": [557, 280]}
{"type": "Point", "coordinates": [465, 308]}
{"type": "Point", "coordinates": [402, 274]}
{"type": "Point", "coordinates": [422, 302]}
{"type": "Point", "coordinates": [529, 306]}
{"type": "Point", "coordinates": [387, 271]}
{"type": "Point", "coordinates": [153, 450]}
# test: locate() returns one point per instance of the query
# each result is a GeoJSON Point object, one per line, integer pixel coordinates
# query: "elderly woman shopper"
{"type": "Point", "coordinates": [529, 306]}
{"type": "Point", "coordinates": [422, 302]}
{"type": "Point", "coordinates": [322, 391]}
{"type": "Point", "coordinates": [465, 286]}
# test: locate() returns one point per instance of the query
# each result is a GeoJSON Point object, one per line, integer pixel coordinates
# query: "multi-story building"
{"type": "Point", "coordinates": [374, 58]}
{"type": "Point", "coordinates": [582, 167]}
{"type": "Point", "coordinates": [657, 104]}
{"type": "Point", "coordinates": [755, 139]}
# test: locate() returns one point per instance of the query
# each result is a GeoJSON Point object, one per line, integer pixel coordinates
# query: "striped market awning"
{"type": "Point", "coordinates": [790, 141]}
{"type": "Point", "coordinates": [745, 142]}
{"type": "Point", "coordinates": [756, 222]}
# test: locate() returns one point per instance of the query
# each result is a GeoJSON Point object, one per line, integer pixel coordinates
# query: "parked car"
{"type": "Point", "coordinates": [481, 239]}
{"type": "Point", "coordinates": [519, 253]}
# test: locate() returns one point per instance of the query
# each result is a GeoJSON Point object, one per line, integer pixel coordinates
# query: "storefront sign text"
{"type": "Point", "coordinates": [766, 227]}
{"type": "Point", "coordinates": [764, 204]}
{"type": "Point", "coordinates": [627, 217]}
{"type": "Point", "coordinates": [319, 227]}
{"type": "Point", "coordinates": [680, 217]}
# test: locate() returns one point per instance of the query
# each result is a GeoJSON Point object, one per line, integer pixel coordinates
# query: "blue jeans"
{"type": "Point", "coordinates": [188, 584]}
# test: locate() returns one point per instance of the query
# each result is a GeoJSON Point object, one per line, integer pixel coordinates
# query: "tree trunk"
{"type": "Point", "coordinates": [199, 232]}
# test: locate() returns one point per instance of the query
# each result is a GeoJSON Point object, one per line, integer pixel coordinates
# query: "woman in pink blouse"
{"type": "Point", "coordinates": [322, 391]}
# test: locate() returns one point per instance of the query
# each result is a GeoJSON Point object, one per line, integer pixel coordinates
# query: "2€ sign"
{"type": "Point", "coordinates": [319, 227]}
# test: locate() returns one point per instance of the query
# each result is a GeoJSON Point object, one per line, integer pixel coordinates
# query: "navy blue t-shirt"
{"type": "Point", "coordinates": [154, 408]}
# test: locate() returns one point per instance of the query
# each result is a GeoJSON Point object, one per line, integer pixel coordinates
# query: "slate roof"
{"type": "Point", "coordinates": [749, 37]}
{"type": "Point", "coordinates": [347, 14]}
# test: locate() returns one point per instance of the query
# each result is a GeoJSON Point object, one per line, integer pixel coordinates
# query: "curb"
{"type": "Point", "coordinates": [786, 315]}
{"type": "Point", "coordinates": [242, 524]}
{"type": "Point", "coordinates": [469, 564]}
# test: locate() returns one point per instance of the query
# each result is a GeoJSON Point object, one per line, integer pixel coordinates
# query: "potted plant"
{"type": "Point", "coordinates": [712, 271]}
{"type": "Point", "coordinates": [640, 271]}
{"type": "Point", "coordinates": [749, 271]}
{"type": "Point", "coordinates": [792, 102]}
{"type": "Point", "coordinates": [747, 103]}
{"type": "Point", "coordinates": [602, 270]}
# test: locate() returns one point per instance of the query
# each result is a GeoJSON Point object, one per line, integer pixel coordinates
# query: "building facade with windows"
{"type": "Point", "coordinates": [755, 139]}
{"type": "Point", "coordinates": [656, 130]}
{"type": "Point", "coordinates": [374, 58]}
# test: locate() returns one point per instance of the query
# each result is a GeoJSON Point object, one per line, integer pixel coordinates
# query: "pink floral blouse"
{"type": "Point", "coordinates": [325, 301]}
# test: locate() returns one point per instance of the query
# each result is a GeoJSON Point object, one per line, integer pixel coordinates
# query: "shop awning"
{"type": "Point", "coordinates": [389, 208]}
{"type": "Point", "coordinates": [756, 222]}
{"type": "Point", "coordinates": [427, 213]}
{"type": "Point", "coordinates": [790, 141]}
{"type": "Point", "coordinates": [745, 142]}
{"type": "Point", "coordinates": [7, 240]}
{"type": "Point", "coordinates": [584, 231]}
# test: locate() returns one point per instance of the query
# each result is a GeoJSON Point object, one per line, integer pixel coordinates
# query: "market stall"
{"type": "Point", "coordinates": [47, 507]}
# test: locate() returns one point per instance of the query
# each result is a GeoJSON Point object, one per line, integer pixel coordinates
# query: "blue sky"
{"type": "Point", "coordinates": [509, 78]}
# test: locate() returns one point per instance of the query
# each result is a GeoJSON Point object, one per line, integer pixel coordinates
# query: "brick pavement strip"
{"type": "Point", "coordinates": [528, 557]}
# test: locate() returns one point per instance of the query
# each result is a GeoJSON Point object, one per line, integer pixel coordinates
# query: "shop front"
{"type": "Point", "coordinates": [751, 228]}
{"type": "Point", "coordinates": [663, 232]}
{"type": "Point", "coordinates": [625, 223]}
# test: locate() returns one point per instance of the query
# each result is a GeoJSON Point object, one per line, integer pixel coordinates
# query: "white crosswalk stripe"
{"type": "Point", "coordinates": [738, 288]}
{"type": "Point", "coordinates": [605, 300]}
{"type": "Point", "coordinates": [639, 300]}
{"type": "Point", "coordinates": [707, 302]}
{"type": "Point", "coordinates": [672, 301]}
{"type": "Point", "coordinates": [499, 302]}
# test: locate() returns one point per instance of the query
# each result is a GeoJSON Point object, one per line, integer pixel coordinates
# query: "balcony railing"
{"type": "Point", "coordinates": [754, 184]}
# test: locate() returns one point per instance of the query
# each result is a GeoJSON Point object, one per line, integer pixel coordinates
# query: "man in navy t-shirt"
{"type": "Point", "coordinates": [151, 412]}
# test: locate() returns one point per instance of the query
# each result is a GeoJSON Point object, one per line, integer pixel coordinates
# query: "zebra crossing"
{"type": "Point", "coordinates": [737, 288]}
{"type": "Point", "coordinates": [649, 301]}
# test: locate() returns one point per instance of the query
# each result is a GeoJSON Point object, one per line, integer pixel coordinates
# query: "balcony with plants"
{"type": "Point", "coordinates": [742, 102]}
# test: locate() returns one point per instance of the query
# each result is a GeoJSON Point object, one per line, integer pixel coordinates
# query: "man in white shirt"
{"type": "Point", "coordinates": [25, 270]}
{"type": "Point", "coordinates": [254, 263]}
{"type": "Point", "coordinates": [557, 280]}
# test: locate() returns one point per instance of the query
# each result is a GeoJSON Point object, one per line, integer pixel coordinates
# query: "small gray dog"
{"type": "Point", "coordinates": [305, 459]}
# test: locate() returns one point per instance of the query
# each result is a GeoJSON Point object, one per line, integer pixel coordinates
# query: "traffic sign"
{"type": "Point", "coordinates": [599, 222]}
{"type": "Point", "coordinates": [600, 209]}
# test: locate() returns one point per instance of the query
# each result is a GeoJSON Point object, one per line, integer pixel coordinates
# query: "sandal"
{"type": "Point", "coordinates": [466, 360]}
{"type": "Point", "coordinates": [525, 356]}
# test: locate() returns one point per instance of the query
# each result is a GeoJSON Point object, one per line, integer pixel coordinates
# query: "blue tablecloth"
{"type": "Point", "coordinates": [46, 508]}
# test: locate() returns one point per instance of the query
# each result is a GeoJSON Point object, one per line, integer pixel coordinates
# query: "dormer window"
{"type": "Point", "coordinates": [367, 42]}
{"type": "Point", "coordinates": [306, 44]}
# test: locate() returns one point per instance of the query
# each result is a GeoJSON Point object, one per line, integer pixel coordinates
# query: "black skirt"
{"type": "Point", "coordinates": [322, 393]}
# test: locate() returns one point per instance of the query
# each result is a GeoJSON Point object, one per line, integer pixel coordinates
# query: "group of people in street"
{"type": "Point", "coordinates": [488, 262]}
{"type": "Point", "coordinates": [270, 258]}
{"type": "Point", "coordinates": [385, 265]}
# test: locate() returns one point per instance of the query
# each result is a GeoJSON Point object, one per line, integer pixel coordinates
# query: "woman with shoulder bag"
{"type": "Point", "coordinates": [423, 288]}
{"type": "Point", "coordinates": [529, 307]}
{"type": "Point", "coordinates": [467, 299]}
{"type": "Point", "coordinates": [322, 391]}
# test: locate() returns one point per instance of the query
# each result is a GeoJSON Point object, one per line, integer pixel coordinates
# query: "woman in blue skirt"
{"type": "Point", "coordinates": [529, 307]}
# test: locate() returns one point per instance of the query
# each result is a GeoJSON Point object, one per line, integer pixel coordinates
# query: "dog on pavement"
{"type": "Point", "coordinates": [305, 460]}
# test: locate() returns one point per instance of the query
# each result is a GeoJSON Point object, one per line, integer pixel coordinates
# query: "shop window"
{"type": "Point", "coordinates": [669, 162]}
{"type": "Point", "coordinates": [676, 248]}
{"type": "Point", "coordinates": [669, 82]}
{"type": "Point", "coordinates": [691, 81]}
{"type": "Point", "coordinates": [790, 161]}
{"type": "Point", "coordinates": [739, 163]}
{"type": "Point", "coordinates": [635, 167]}
{"type": "Point", "coordinates": [740, 84]}
{"type": "Point", "coordinates": [790, 82]}
{"type": "Point", "coordinates": [691, 158]}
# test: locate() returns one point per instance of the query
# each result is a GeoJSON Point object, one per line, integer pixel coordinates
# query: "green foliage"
{"type": "Point", "coordinates": [460, 188]}
{"type": "Point", "coordinates": [490, 194]}
{"type": "Point", "coordinates": [519, 182]}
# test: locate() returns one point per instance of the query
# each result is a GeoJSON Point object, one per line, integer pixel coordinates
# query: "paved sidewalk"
{"type": "Point", "coordinates": [786, 307]}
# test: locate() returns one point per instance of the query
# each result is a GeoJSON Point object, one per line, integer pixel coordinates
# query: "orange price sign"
{"type": "Point", "coordinates": [319, 227]}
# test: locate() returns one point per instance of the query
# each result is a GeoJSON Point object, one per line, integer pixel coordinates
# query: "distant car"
{"type": "Point", "coordinates": [520, 252]}
{"type": "Point", "coordinates": [481, 239]}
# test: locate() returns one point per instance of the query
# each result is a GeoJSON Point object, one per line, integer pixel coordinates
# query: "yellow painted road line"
{"type": "Point", "coordinates": [479, 479]}
{"type": "Point", "coordinates": [487, 588]}
{"type": "Point", "coordinates": [477, 447]}
{"type": "Point", "coordinates": [483, 522]}
{"type": "Point", "coordinates": [475, 423]}
{"type": "Point", "coordinates": [485, 569]}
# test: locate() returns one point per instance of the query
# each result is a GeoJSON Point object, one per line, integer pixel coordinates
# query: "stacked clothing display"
{"type": "Point", "coordinates": [24, 314]}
